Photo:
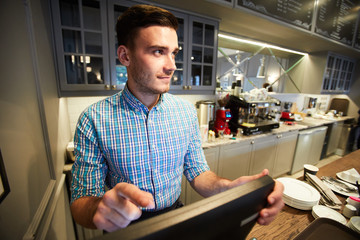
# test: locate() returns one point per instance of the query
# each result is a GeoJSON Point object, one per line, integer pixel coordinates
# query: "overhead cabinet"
{"type": "Point", "coordinates": [86, 45]}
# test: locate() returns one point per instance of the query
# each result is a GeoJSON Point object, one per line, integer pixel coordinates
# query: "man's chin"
{"type": "Point", "coordinates": [160, 90]}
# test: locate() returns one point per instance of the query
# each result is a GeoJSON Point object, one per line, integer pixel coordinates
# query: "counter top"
{"type": "Point", "coordinates": [313, 122]}
{"type": "Point", "coordinates": [308, 122]}
{"type": "Point", "coordinates": [291, 221]}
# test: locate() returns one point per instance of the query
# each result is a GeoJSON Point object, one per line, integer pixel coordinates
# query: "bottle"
{"type": "Point", "coordinates": [238, 89]}
{"type": "Point", "coordinates": [233, 88]}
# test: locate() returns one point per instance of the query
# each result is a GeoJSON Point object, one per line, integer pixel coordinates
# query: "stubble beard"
{"type": "Point", "coordinates": [142, 80]}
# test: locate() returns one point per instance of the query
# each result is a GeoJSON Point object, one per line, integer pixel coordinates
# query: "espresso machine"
{"type": "Point", "coordinates": [251, 117]}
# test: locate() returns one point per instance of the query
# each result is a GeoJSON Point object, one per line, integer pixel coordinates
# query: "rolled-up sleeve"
{"type": "Point", "coordinates": [90, 169]}
{"type": "Point", "coordinates": [194, 162]}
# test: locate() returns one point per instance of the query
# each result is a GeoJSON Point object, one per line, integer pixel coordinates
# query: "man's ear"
{"type": "Point", "coordinates": [123, 55]}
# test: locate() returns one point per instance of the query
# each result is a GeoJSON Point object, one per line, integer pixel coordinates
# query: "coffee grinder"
{"type": "Point", "coordinates": [221, 122]}
{"type": "Point", "coordinates": [286, 114]}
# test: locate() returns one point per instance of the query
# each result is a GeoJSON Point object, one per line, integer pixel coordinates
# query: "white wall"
{"type": "Point", "coordinates": [34, 123]}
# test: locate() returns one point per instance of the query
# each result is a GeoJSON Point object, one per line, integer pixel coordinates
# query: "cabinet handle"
{"type": "Point", "coordinates": [252, 142]}
{"type": "Point", "coordinates": [279, 136]}
{"type": "Point", "coordinates": [107, 87]}
{"type": "Point", "coordinates": [185, 87]}
{"type": "Point", "coordinates": [189, 87]}
{"type": "Point", "coordinates": [113, 87]}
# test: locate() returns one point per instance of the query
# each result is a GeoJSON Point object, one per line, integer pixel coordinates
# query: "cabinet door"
{"type": "Point", "coordinates": [263, 154]}
{"type": "Point", "coordinates": [285, 149]}
{"type": "Point", "coordinates": [202, 53]}
{"type": "Point", "coordinates": [234, 160]}
{"type": "Point", "coordinates": [334, 137]}
{"type": "Point", "coordinates": [212, 156]}
{"type": "Point", "coordinates": [81, 44]}
{"type": "Point", "coordinates": [118, 75]}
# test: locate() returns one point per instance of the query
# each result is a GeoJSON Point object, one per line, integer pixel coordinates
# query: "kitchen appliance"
{"type": "Point", "coordinates": [308, 148]}
{"type": "Point", "coordinates": [206, 113]}
{"type": "Point", "coordinates": [286, 114]}
{"type": "Point", "coordinates": [251, 116]}
{"type": "Point", "coordinates": [221, 122]}
{"type": "Point", "coordinates": [310, 105]}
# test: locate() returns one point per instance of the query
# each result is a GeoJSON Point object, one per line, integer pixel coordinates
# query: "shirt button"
{"type": "Point", "coordinates": [153, 146]}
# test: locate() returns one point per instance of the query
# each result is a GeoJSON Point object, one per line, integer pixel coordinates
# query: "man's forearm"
{"type": "Point", "coordinates": [83, 210]}
{"type": "Point", "coordinates": [208, 184]}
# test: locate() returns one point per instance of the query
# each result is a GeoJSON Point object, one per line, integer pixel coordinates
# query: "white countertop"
{"type": "Point", "coordinates": [308, 122]}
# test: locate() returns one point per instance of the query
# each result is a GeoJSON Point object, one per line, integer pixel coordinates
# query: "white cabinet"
{"type": "Point", "coordinates": [189, 195]}
{"type": "Point", "coordinates": [263, 154]}
{"type": "Point", "coordinates": [234, 160]}
{"type": "Point", "coordinates": [334, 138]}
{"type": "Point", "coordinates": [274, 152]}
{"type": "Point", "coordinates": [285, 149]}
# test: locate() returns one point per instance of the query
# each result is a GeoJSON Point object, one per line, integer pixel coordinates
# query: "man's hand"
{"type": "Point", "coordinates": [121, 205]}
{"type": "Point", "coordinates": [275, 202]}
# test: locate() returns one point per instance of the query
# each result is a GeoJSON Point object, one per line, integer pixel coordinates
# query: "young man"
{"type": "Point", "coordinates": [140, 141]}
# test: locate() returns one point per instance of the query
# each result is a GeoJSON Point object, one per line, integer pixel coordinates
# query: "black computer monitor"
{"type": "Point", "coordinates": [227, 215]}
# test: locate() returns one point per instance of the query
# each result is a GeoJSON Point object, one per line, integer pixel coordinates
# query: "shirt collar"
{"type": "Point", "coordinates": [135, 104]}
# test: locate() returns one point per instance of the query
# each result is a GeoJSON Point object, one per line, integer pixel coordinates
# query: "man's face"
{"type": "Point", "coordinates": [152, 59]}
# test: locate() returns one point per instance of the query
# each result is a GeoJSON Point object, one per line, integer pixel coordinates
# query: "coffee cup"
{"type": "Point", "coordinates": [354, 201]}
{"type": "Point", "coordinates": [310, 169]}
{"type": "Point", "coordinates": [349, 211]}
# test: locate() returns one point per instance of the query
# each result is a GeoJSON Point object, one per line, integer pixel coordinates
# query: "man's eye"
{"type": "Point", "coordinates": [158, 52]}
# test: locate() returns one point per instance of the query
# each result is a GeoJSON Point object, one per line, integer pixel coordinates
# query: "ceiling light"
{"type": "Point", "coordinates": [242, 40]}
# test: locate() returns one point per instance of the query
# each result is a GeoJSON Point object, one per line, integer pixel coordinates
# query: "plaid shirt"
{"type": "Point", "coordinates": [119, 140]}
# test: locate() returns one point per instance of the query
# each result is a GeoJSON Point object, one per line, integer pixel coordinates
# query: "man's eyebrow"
{"type": "Point", "coordinates": [163, 48]}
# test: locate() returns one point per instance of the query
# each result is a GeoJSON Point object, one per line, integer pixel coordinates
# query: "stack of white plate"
{"type": "Point", "coordinates": [320, 211]}
{"type": "Point", "coordinates": [298, 194]}
{"type": "Point", "coordinates": [354, 223]}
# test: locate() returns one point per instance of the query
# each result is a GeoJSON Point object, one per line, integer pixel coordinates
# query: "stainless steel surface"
{"type": "Point", "coordinates": [309, 147]}
{"type": "Point", "coordinates": [343, 148]}
{"type": "Point", "coordinates": [205, 111]}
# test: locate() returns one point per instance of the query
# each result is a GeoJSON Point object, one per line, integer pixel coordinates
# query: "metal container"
{"type": "Point", "coordinates": [205, 111]}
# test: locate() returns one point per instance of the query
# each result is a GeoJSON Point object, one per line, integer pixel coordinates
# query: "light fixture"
{"type": "Point", "coordinates": [242, 40]}
{"type": "Point", "coordinates": [261, 69]}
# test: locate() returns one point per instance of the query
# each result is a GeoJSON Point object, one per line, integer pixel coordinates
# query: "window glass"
{"type": "Point", "coordinates": [91, 15]}
{"type": "Point", "coordinates": [69, 10]}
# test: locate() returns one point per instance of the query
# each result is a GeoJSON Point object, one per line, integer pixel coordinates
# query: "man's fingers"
{"type": "Point", "coordinates": [135, 195]}
{"type": "Point", "coordinates": [109, 219]}
{"type": "Point", "coordinates": [244, 179]}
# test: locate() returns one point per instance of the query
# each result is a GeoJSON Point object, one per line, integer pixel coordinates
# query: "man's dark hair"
{"type": "Point", "coordinates": [141, 16]}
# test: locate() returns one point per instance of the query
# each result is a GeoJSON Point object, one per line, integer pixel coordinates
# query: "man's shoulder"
{"type": "Point", "coordinates": [103, 104]}
{"type": "Point", "coordinates": [176, 101]}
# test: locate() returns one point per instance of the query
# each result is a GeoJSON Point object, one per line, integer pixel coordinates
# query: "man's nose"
{"type": "Point", "coordinates": [170, 65]}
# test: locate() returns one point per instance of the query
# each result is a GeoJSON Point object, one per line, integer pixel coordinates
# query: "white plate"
{"type": "Point", "coordinates": [354, 223]}
{"type": "Point", "coordinates": [350, 176]}
{"type": "Point", "coordinates": [320, 211]}
{"type": "Point", "coordinates": [299, 206]}
{"type": "Point", "coordinates": [348, 194]}
{"type": "Point", "coordinates": [299, 191]}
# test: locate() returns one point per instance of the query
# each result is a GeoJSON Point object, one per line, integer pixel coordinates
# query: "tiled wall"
{"type": "Point", "coordinates": [77, 104]}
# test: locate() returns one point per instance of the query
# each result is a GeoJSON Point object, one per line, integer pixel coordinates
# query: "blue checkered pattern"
{"type": "Point", "coordinates": [119, 140]}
